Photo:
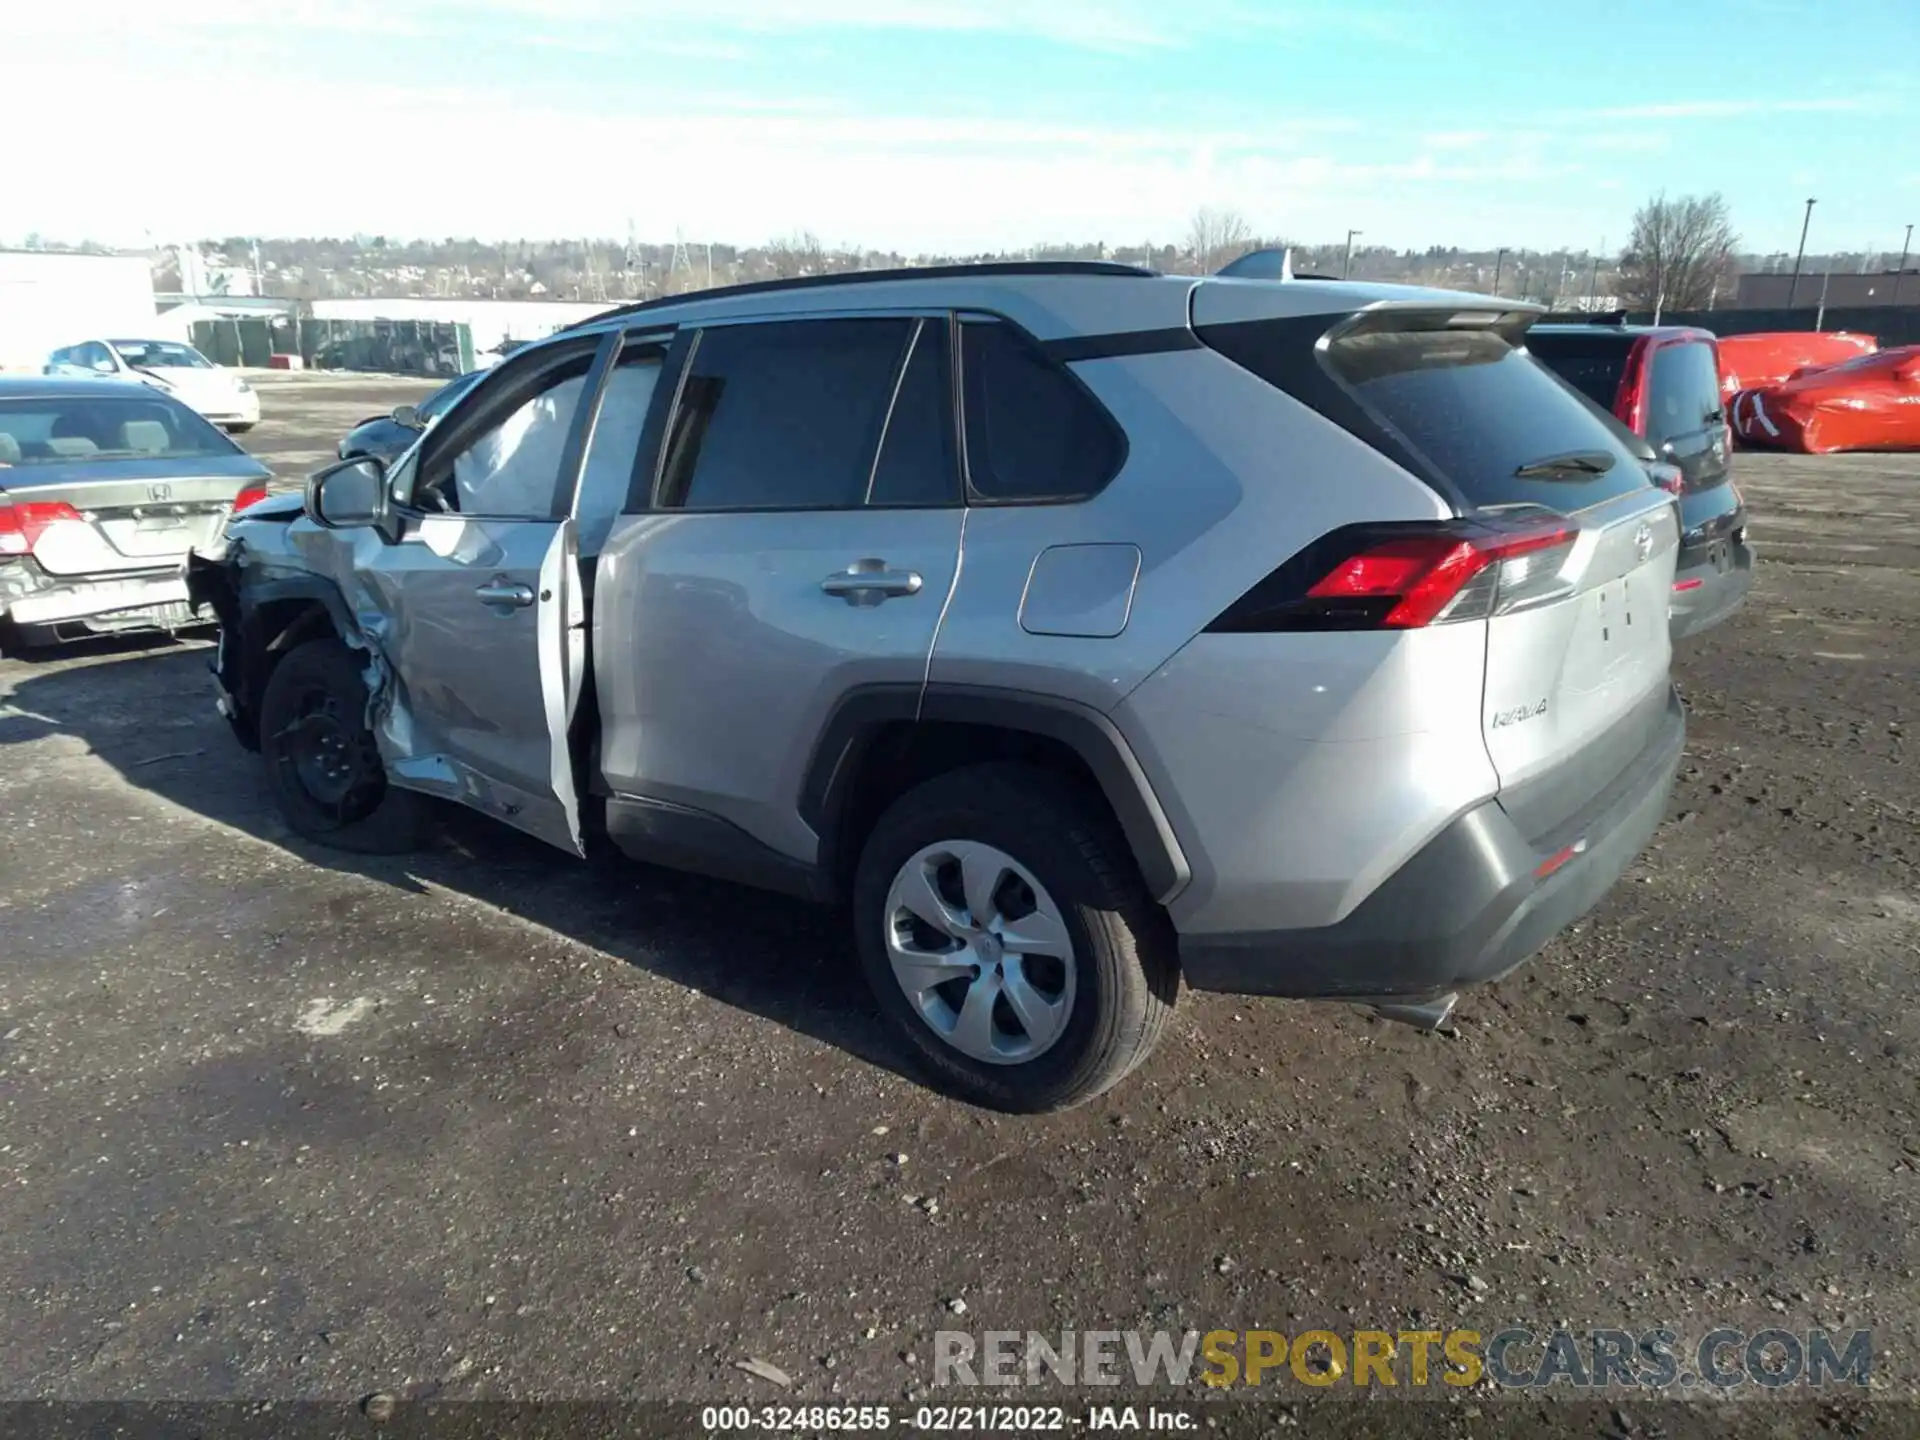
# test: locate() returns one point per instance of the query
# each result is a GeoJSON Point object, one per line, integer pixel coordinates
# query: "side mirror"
{"type": "Point", "coordinates": [348, 494]}
{"type": "Point", "coordinates": [409, 416]}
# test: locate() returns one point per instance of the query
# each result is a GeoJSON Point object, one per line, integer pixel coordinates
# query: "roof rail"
{"type": "Point", "coordinates": [861, 277]}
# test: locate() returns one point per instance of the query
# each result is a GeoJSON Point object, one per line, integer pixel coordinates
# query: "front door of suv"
{"type": "Point", "coordinates": [794, 534]}
{"type": "Point", "coordinates": [477, 607]}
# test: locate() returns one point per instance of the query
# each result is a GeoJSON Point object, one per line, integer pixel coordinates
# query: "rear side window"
{"type": "Point", "coordinates": [1684, 392]}
{"type": "Point", "coordinates": [1033, 432]}
{"type": "Point", "coordinates": [783, 415]}
{"type": "Point", "coordinates": [917, 464]}
{"type": "Point", "coordinates": [1592, 364]}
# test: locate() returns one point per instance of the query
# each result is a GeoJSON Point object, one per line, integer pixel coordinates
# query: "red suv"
{"type": "Point", "coordinates": [1663, 383]}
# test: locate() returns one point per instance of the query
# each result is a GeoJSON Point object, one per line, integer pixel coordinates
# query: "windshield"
{"type": "Point", "coordinates": [438, 403]}
{"type": "Point", "coordinates": [62, 429]}
{"type": "Point", "coordinates": [161, 355]}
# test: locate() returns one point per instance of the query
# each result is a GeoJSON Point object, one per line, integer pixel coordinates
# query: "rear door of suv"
{"type": "Point", "coordinates": [792, 535]}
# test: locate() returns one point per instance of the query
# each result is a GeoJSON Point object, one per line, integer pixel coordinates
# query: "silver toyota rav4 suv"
{"type": "Point", "coordinates": [1080, 628]}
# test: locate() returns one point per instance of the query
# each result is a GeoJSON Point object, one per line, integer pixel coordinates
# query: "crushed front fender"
{"type": "Point", "coordinates": [213, 584]}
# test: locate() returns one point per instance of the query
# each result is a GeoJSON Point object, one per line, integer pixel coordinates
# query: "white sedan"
{"type": "Point", "coordinates": [180, 370]}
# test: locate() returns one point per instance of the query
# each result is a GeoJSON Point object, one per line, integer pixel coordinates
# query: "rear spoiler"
{"type": "Point", "coordinates": [1585, 317]}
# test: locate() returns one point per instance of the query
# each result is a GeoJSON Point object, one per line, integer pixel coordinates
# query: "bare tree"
{"type": "Point", "coordinates": [1215, 237]}
{"type": "Point", "coordinates": [800, 253]}
{"type": "Point", "coordinates": [1681, 251]}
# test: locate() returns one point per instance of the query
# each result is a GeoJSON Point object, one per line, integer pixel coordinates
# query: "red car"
{"type": "Point", "coordinates": [1871, 403]}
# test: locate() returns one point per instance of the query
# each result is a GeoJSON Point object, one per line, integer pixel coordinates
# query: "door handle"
{"type": "Point", "coordinates": [506, 592]}
{"type": "Point", "coordinates": [868, 582]}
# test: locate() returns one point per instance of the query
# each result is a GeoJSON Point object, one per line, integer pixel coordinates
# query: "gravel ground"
{"type": "Point", "coordinates": [485, 1122]}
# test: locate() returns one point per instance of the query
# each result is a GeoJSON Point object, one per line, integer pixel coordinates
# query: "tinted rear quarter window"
{"type": "Point", "coordinates": [782, 415]}
{"type": "Point", "coordinates": [1684, 391]}
{"type": "Point", "coordinates": [1033, 432]}
{"type": "Point", "coordinates": [1476, 408]}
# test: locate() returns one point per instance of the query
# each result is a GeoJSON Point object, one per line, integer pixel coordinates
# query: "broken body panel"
{"type": "Point", "coordinates": [445, 729]}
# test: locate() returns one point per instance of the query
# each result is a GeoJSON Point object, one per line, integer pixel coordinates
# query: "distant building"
{"type": "Point", "coordinates": [50, 299]}
{"type": "Point", "coordinates": [1766, 290]}
{"type": "Point", "coordinates": [491, 322]}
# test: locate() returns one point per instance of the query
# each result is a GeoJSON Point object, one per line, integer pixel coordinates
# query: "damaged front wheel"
{"type": "Point", "coordinates": [322, 761]}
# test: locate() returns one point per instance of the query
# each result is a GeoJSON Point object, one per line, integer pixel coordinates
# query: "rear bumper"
{"type": "Point", "coordinates": [1710, 583]}
{"type": "Point", "coordinates": [1467, 908]}
{"type": "Point", "coordinates": [55, 601]}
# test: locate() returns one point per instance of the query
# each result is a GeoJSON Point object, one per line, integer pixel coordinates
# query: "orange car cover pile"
{"type": "Point", "coordinates": [1748, 362]}
{"type": "Point", "coordinates": [1868, 403]}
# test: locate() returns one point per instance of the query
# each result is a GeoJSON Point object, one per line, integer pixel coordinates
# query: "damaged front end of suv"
{"type": "Point", "coordinates": [258, 584]}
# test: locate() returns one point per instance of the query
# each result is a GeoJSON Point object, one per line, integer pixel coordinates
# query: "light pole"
{"type": "Point", "coordinates": [1901, 273]}
{"type": "Point", "coordinates": [1820, 318]}
{"type": "Point", "coordinates": [1346, 267]}
{"type": "Point", "coordinates": [1499, 263]}
{"type": "Point", "coordinates": [1793, 285]}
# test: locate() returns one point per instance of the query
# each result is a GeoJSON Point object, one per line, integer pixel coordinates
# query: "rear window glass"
{"type": "Point", "coordinates": [56, 430]}
{"type": "Point", "coordinates": [1477, 409]}
{"type": "Point", "coordinates": [1685, 390]}
{"type": "Point", "coordinates": [1592, 364]}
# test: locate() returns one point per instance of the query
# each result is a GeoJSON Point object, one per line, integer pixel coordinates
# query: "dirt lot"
{"type": "Point", "coordinates": [279, 1122]}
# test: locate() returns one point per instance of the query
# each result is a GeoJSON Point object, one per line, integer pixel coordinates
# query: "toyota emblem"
{"type": "Point", "coordinates": [1643, 541]}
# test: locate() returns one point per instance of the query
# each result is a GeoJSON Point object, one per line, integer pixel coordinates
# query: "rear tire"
{"type": "Point", "coordinates": [322, 760]}
{"type": "Point", "coordinates": [1013, 1023]}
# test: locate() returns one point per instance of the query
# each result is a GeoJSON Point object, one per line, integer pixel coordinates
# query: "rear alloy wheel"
{"type": "Point", "coordinates": [1007, 937]}
{"type": "Point", "coordinates": [322, 760]}
{"type": "Point", "coordinates": [981, 952]}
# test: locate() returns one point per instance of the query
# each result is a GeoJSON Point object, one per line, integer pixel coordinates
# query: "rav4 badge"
{"type": "Point", "coordinates": [1519, 713]}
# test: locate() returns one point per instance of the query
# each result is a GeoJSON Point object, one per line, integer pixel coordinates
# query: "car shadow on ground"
{"type": "Point", "coordinates": [147, 711]}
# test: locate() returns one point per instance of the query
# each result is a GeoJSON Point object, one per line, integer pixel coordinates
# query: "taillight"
{"type": "Point", "coordinates": [252, 495]}
{"type": "Point", "coordinates": [1630, 402]}
{"type": "Point", "coordinates": [1401, 577]}
{"type": "Point", "coordinates": [20, 525]}
{"type": "Point", "coordinates": [1669, 478]}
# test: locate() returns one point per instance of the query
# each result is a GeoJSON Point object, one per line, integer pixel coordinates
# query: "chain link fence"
{"type": "Point", "coordinates": [400, 347]}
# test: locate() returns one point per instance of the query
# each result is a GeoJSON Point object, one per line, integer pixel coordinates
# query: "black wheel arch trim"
{"type": "Point", "coordinates": [866, 710]}
{"type": "Point", "coordinates": [241, 680]}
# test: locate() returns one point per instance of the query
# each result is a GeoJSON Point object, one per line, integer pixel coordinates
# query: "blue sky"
{"type": "Point", "coordinates": [961, 124]}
